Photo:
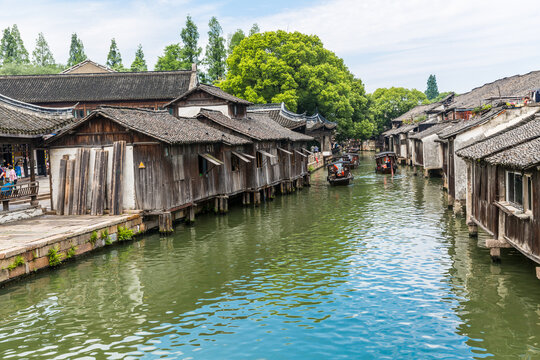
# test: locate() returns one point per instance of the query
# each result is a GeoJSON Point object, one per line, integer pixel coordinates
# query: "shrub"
{"type": "Point", "coordinates": [55, 257]}
{"type": "Point", "coordinates": [93, 238]}
{"type": "Point", "coordinates": [124, 234]}
{"type": "Point", "coordinates": [71, 252]}
{"type": "Point", "coordinates": [17, 262]}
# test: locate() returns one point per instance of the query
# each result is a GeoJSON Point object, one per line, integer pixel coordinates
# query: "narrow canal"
{"type": "Point", "coordinates": [376, 270]}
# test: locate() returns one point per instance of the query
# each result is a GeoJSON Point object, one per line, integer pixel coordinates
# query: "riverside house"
{"type": "Point", "coordinates": [503, 179]}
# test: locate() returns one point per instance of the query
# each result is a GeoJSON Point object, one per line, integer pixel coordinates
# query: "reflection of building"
{"type": "Point", "coordinates": [315, 125]}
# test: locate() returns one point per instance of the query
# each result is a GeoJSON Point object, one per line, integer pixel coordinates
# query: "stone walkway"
{"type": "Point", "coordinates": [26, 234]}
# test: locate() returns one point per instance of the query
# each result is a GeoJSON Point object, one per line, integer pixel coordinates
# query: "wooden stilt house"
{"type": "Point", "coordinates": [141, 159]}
{"type": "Point", "coordinates": [503, 179]}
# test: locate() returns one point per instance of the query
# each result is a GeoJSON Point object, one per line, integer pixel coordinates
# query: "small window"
{"type": "Point", "coordinates": [235, 163]}
{"type": "Point", "coordinates": [166, 151]}
{"type": "Point", "coordinates": [235, 110]}
{"type": "Point", "coordinates": [203, 166]}
{"type": "Point", "coordinates": [170, 111]}
{"type": "Point", "coordinates": [259, 160]}
{"type": "Point", "coordinates": [81, 113]}
{"type": "Point", "coordinates": [529, 193]}
{"type": "Point", "coordinates": [514, 188]}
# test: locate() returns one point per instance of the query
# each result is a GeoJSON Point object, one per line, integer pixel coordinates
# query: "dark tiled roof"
{"type": "Point", "coordinates": [72, 88]}
{"type": "Point", "coordinates": [517, 85]}
{"type": "Point", "coordinates": [430, 131]}
{"type": "Point", "coordinates": [415, 112]}
{"type": "Point", "coordinates": [257, 126]}
{"type": "Point", "coordinates": [212, 90]}
{"type": "Point", "coordinates": [522, 156]}
{"type": "Point", "coordinates": [524, 131]}
{"type": "Point", "coordinates": [18, 118]}
{"type": "Point", "coordinates": [400, 130]}
{"type": "Point", "coordinates": [286, 118]}
{"type": "Point", "coordinates": [464, 125]}
{"type": "Point", "coordinates": [163, 126]}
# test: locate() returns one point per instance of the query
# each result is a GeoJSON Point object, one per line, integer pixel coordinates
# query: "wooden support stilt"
{"type": "Point", "coordinates": [257, 198]}
{"type": "Point", "coordinates": [225, 201]}
{"type": "Point", "coordinates": [191, 215]}
{"type": "Point", "coordinates": [538, 273]}
{"type": "Point", "coordinates": [248, 198]}
{"type": "Point", "coordinates": [217, 205]}
{"type": "Point", "coordinates": [165, 223]}
{"type": "Point", "coordinates": [495, 254]}
{"type": "Point", "coordinates": [473, 230]}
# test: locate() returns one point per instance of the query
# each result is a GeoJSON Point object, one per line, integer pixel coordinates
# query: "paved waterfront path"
{"type": "Point", "coordinates": [25, 235]}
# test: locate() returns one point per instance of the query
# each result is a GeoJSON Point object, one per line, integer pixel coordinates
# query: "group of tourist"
{"type": "Point", "coordinates": [9, 174]}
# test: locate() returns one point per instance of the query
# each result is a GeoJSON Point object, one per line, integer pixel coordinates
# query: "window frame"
{"type": "Point", "coordinates": [513, 196]}
{"type": "Point", "coordinates": [235, 163]}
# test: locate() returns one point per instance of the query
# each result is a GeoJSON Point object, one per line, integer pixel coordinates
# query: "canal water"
{"type": "Point", "coordinates": [380, 269]}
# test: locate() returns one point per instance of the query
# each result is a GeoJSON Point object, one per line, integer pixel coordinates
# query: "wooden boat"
{"type": "Point", "coordinates": [339, 173]}
{"type": "Point", "coordinates": [386, 162]}
{"type": "Point", "coordinates": [353, 158]}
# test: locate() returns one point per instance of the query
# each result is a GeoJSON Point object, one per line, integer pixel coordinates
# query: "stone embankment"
{"type": "Point", "coordinates": [29, 245]}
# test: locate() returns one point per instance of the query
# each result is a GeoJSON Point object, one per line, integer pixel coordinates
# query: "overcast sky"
{"type": "Point", "coordinates": [465, 43]}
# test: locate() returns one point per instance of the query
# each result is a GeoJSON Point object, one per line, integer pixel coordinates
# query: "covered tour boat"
{"type": "Point", "coordinates": [386, 162]}
{"type": "Point", "coordinates": [339, 173]}
{"type": "Point", "coordinates": [353, 158]}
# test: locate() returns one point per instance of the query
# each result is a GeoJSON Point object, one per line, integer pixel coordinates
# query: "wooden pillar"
{"type": "Point", "coordinates": [495, 254]}
{"type": "Point", "coordinates": [225, 204]}
{"type": "Point", "coordinates": [61, 186]}
{"type": "Point", "coordinates": [191, 215]}
{"type": "Point", "coordinates": [165, 223]}
{"type": "Point", "coordinates": [117, 189]}
{"type": "Point", "coordinates": [538, 273]}
{"type": "Point", "coordinates": [33, 198]}
{"type": "Point", "coordinates": [217, 205]}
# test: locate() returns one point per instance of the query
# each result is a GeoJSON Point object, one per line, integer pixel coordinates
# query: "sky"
{"type": "Point", "coordinates": [465, 43]}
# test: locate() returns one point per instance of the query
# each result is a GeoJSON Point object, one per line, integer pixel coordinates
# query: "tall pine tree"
{"type": "Point", "coordinates": [190, 38]}
{"type": "Point", "coordinates": [42, 55]}
{"type": "Point", "coordinates": [170, 59]}
{"type": "Point", "coordinates": [114, 59]}
{"type": "Point", "coordinates": [254, 29]}
{"type": "Point", "coordinates": [432, 90]}
{"type": "Point", "coordinates": [12, 50]}
{"type": "Point", "coordinates": [139, 64]}
{"type": "Point", "coordinates": [76, 51]}
{"type": "Point", "coordinates": [215, 52]}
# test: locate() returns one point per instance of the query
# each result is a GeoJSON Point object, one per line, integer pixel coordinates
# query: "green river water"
{"type": "Point", "coordinates": [380, 269]}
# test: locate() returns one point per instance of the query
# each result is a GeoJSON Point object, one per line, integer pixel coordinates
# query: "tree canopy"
{"type": "Point", "coordinates": [139, 64]}
{"type": "Point", "coordinates": [171, 59]}
{"type": "Point", "coordinates": [12, 50]}
{"type": "Point", "coordinates": [215, 52]}
{"type": "Point", "coordinates": [114, 59]}
{"type": "Point", "coordinates": [388, 104]}
{"type": "Point", "coordinates": [190, 38]}
{"type": "Point", "coordinates": [42, 54]}
{"type": "Point", "coordinates": [235, 39]}
{"type": "Point", "coordinates": [432, 90]}
{"type": "Point", "coordinates": [296, 69]}
{"type": "Point", "coordinates": [76, 51]}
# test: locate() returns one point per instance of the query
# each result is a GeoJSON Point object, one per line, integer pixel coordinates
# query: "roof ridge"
{"type": "Point", "coordinates": [132, 109]}
{"type": "Point", "coordinates": [107, 74]}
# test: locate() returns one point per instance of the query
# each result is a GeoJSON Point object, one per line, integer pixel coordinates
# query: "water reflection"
{"type": "Point", "coordinates": [378, 269]}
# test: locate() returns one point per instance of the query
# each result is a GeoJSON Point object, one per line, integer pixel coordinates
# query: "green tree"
{"type": "Point", "coordinates": [42, 55]}
{"type": "Point", "coordinates": [76, 51]}
{"type": "Point", "coordinates": [296, 69]}
{"type": "Point", "coordinates": [114, 59]}
{"type": "Point", "coordinates": [12, 50]}
{"type": "Point", "coordinates": [171, 59]}
{"type": "Point", "coordinates": [190, 38]}
{"type": "Point", "coordinates": [432, 90]}
{"type": "Point", "coordinates": [215, 52]}
{"type": "Point", "coordinates": [388, 104]}
{"type": "Point", "coordinates": [254, 29]}
{"type": "Point", "coordinates": [235, 39]}
{"type": "Point", "coordinates": [139, 64]}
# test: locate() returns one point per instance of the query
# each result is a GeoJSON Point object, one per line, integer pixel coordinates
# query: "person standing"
{"type": "Point", "coordinates": [12, 175]}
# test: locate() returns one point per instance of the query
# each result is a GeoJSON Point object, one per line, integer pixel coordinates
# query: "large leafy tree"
{"type": "Point", "coordinates": [388, 104]}
{"type": "Point", "coordinates": [114, 59]}
{"type": "Point", "coordinates": [42, 55]}
{"type": "Point", "coordinates": [215, 52]}
{"type": "Point", "coordinates": [139, 64]}
{"type": "Point", "coordinates": [171, 59]}
{"type": "Point", "coordinates": [76, 51]}
{"type": "Point", "coordinates": [190, 39]}
{"type": "Point", "coordinates": [432, 90]}
{"type": "Point", "coordinates": [296, 69]}
{"type": "Point", "coordinates": [12, 50]}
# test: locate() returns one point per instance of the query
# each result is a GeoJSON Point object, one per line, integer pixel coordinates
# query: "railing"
{"type": "Point", "coordinates": [10, 192]}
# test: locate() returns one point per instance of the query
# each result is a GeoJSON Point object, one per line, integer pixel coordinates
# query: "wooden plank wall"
{"type": "Point", "coordinates": [117, 181]}
{"type": "Point", "coordinates": [99, 183]}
